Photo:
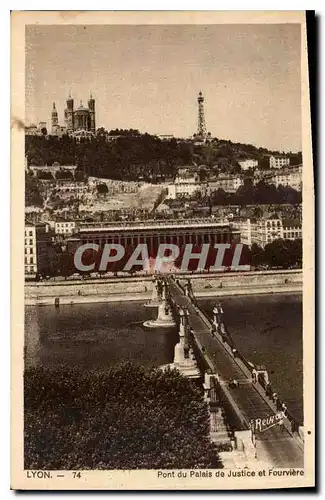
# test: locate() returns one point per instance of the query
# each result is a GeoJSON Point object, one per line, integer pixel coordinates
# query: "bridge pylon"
{"type": "Point", "coordinates": [156, 298]}
{"type": "Point", "coordinates": [184, 359]}
{"type": "Point", "coordinates": [165, 316]}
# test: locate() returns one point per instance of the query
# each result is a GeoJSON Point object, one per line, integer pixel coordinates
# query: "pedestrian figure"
{"type": "Point", "coordinates": [268, 390]}
{"type": "Point", "coordinates": [274, 397]}
{"type": "Point", "coordinates": [284, 409]}
{"type": "Point", "coordinates": [254, 376]}
{"type": "Point", "coordinates": [234, 351]}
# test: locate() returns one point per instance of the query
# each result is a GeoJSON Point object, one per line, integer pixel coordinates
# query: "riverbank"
{"type": "Point", "coordinates": [140, 289]}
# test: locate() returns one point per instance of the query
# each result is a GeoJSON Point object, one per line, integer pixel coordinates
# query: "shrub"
{"type": "Point", "coordinates": [120, 418]}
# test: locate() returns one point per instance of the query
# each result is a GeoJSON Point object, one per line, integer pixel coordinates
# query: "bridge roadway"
{"type": "Point", "coordinates": [275, 445]}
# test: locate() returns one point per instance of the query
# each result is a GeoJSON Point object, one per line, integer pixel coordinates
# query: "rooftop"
{"type": "Point", "coordinates": [291, 223]}
{"type": "Point", "coordinates": [151, 224]}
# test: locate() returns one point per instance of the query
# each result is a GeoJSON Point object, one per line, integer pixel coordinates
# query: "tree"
{"type": "Point", "coordinates": [44, 175]}
{"type": "Point", "coordinates": [64, 175]}
{"type": "Point", "coordinates": [283, 253]}
{"type": "Point", "coordinates": [257, 255]}
{"type": "Point", "coordinates": [220, 197]}
{"type": "Point", "coordinates": [203, 174]}
{"type": "Point", "coordinates": [32, 192]}
{"type": "Point", "coordinates": [102, 188]}
{"type": "Point", "coordinates": [79, 176]}
{"type": "Point", "coordinates": [264, 163]}
{"type": "Point", "coordinates": [120, 418]}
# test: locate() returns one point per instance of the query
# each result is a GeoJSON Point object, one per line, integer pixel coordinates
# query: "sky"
{"type": "Point", "coordinates": [148, 78]}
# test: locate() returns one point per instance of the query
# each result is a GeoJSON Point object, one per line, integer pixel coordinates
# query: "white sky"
{"type": "Point", "coordinates": [148, 77]}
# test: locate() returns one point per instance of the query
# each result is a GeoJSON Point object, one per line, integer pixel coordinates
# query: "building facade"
{"type": "Point", "coordinates": [291, 177]}
{"type": "Point", "coordinates": [65, 227]}
{"type": "Point", "coordinates": [38, 250]}
{"type": "Point", "coordinates": [263, 231]}
{"type": "Point", "coordinates": [153, 233]}
{"type": "Point", "coordinates": [229, 183]}
{"type": "Point", "coordinates": [184, 189]}
{"type": "Point", "coordinates": [279, 161]}
{"type": "Point", "coordinates": [39, 129]}
{"type": "Point", "coordinates": [292, 229]}
{"type": "Point", "coordinates": [247, 164]}
{"type": "Point", "coordinates": [53, 169]}
{"type": "Point", "coordinates": [81, 119]}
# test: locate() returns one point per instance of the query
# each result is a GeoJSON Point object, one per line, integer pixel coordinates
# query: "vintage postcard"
{"type": "Point", "coordinates": [162, 251]}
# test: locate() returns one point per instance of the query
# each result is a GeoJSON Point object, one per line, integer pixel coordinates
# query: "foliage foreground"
{"type": "Point", "coordinates": [122, 418]}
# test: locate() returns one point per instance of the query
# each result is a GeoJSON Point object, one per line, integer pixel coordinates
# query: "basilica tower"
{"type": "Point", "coordinates": [54, 118]}
{"type": "Point", "coordinates": [69, 114]}
{"type": "Point", "coordinates": [91, 107]}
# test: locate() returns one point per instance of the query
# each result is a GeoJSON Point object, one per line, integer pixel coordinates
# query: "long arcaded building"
{"type": "Point", "coordinates": [179, 232]}
{"type": "Point", "coordinates": [153, 233]}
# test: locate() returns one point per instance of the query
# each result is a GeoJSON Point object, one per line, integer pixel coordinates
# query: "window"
{"type": "Point", "coordinates": [30, 233]}
{"type": "Point", "coordinates": [25, 251]}
{"type": "Point", "coordinates": [30, 242]}
{"type": "Point", "coordinates": [32, 260]}
{"type": "Point", "coordinates": [30, 250]}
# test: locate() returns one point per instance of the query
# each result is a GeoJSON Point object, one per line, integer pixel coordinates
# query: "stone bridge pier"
{"type": "Point", "coordinates": [165, 317]}
{"type": "Point", "coordinates": [184, 358]}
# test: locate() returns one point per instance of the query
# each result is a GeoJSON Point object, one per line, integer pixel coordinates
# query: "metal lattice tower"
{"type": "Point", "coordinates": [201, 127]}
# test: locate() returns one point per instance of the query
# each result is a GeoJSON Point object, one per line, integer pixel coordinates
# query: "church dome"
{"type": "Point", "coordinates": [82, 108]}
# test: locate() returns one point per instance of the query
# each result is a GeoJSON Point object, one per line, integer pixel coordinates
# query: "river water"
{"type": "Point", "coordinates": [267, 329]}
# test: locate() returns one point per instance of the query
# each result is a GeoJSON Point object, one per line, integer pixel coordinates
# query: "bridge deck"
{"type": "Point", "coordinates": [275, 444]}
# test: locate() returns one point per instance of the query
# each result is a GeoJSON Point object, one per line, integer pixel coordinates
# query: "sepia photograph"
{"type": "Point", "coordinates": [163, 282]}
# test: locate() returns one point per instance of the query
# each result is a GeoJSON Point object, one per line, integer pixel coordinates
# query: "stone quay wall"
{"type": "Point", "coordinates": [248, 283]}
{"type": "Point", "coordinates": [140, 288]}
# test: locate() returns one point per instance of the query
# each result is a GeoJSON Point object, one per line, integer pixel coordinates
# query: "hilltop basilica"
{"type": "Point", "coordinates": [79, 122]}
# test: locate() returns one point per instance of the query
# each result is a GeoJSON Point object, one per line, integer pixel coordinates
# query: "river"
{"type": "Point", "coordinates": [267, 329]}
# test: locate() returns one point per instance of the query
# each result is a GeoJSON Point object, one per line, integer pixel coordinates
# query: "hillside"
{"type": "Point", "coordinates": [142, 156]}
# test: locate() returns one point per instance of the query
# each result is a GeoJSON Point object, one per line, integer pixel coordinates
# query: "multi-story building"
{"type": "Point", "coordinates": [186, 183]}
{"type": "Point", "coordinates": [186, 176]}
{"type": "Point", "coordinates": [229, 183]}
{"type": "Point", "coordinates": [244, 226]}
{"type": "Point", "coordinates": [33, 129]}
{"type": "Point", "coordinates": [53, 169]}
{"type": "Point", "coordinates": [153, 233]}
{"type": "Point", "coordinates": [263, 231]}
{"type": "Point", "coordinates": [292, 229]}
{"type": "Point", "coordinates": [279, 161]}
{"type": "Point", "coordinates": [288, 177]}
{"type": "Point", "coordinates": [65, 227]}
{"type": "Point", "coordinates": [183, 189]}
{"type": "Point", "coordinates": [247, 164]}
{"type": "Point", "coordinates": [38, 250]}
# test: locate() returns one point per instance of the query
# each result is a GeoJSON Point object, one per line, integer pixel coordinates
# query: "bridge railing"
{"type": "Point", "coordinates": [266, 387]}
